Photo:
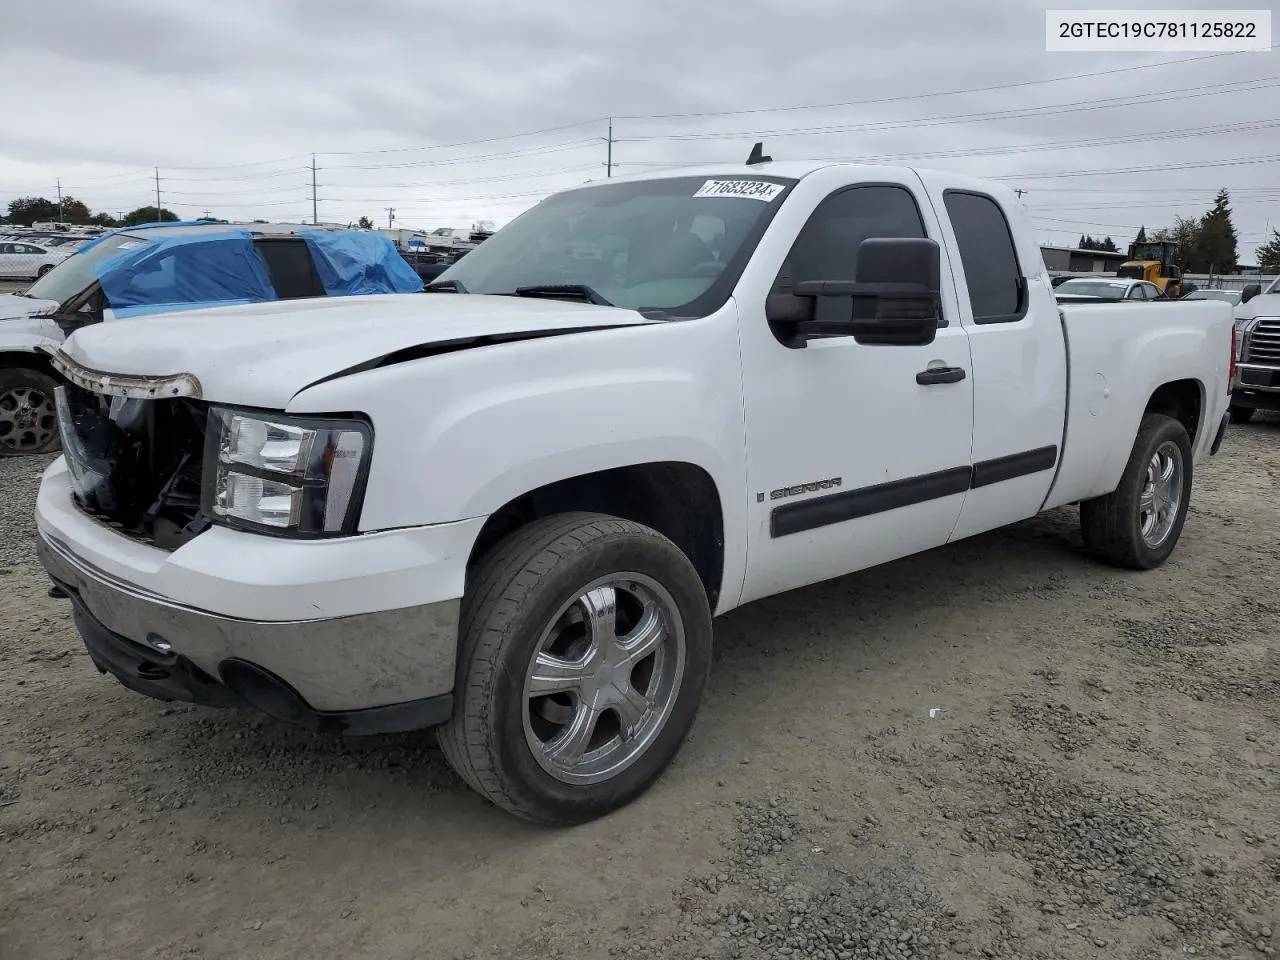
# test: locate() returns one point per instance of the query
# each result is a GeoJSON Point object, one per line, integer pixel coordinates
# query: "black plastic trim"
{"type": "Point", "coordinates": [391, 718]}
{"type": "Point", "coordinates": [162, 676]}
{"type": "Point", "coordinates": [851, 504]}
{"type": "Point", "coordinates": [1016, 465]}
{"type": "Point", "coordinates": [1222, 432]}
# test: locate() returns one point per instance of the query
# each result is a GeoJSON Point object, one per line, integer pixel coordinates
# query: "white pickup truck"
{"type": "Point", "coordinates": [511, 507]}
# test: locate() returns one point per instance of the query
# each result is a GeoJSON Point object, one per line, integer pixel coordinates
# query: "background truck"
{"type": "Point", "coordinates": [1257, 378]}
{"type": "Point", "coordinates": [163, 268]}
{"type": "Point", "coordinates": [511, 509]}
{"type": "Point", "coordinates": [1155, 262]}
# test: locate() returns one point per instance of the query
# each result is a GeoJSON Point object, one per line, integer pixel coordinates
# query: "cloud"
{"type": "Point", "coordinates": [413, 105]}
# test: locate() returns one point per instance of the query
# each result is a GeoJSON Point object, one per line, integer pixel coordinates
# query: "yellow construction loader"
{"type": "Point", "coordinates": [1153, 261]}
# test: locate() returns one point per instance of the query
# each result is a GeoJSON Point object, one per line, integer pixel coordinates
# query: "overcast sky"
{"type": "Point", "coordinates": [230, 99]}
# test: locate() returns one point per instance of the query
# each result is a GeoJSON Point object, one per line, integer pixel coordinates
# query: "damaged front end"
{"type": "Point", "coordinates": [134, 447]}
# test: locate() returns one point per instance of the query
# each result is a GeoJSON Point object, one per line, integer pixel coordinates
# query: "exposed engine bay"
{"type": "Point", "coordinates": [136, 464]}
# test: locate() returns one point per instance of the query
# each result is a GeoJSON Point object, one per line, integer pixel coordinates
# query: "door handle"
{"type": "Point", "coordinates": [934, 375]}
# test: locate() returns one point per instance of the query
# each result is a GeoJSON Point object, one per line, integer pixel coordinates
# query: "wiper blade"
{"type": "Point", "coordinates": [444, 286]}
{"type": "Point", "coordinates": [579, 290]}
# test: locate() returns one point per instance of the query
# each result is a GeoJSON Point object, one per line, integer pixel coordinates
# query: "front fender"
{"type": "Point", "coordinates": [457, 436]}
{"type": "Point", "coordinates": [29, 335]}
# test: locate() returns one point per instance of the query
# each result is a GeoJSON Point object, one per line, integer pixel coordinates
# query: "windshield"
{"type": "Point", "coordinates": [1094, 288]}
{"type": "Point", "coordinates": [1147, 251]}
{"type": "Point", "coordinates": [78, 272]}
{"type": "Point", "coordinates": [672, 245]}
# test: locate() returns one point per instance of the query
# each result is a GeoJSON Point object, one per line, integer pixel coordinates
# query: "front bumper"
{"type": "Point", "coordinates": [1256, 386]}
{"type": "Point", "coordinates": [363, 636]}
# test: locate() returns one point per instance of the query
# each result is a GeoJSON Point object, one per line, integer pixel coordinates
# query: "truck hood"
{"type": "Point", "coordinates": [14, 307]}
{"type": "Point", "coordinates": [1263, 305]}
{"type": "Point", "coordinates": [262, 355]}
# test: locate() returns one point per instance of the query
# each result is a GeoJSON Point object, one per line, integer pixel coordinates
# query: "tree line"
{"type": "Point", "coordinates": [1210, 243]}
{"type": "Point", "coordinates": [28, 210]}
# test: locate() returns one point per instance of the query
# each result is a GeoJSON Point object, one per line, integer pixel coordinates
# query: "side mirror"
{"type": "Point", "coordinates": [1250, 291]}
{"type": "Point", "coordinates": [894, 299]}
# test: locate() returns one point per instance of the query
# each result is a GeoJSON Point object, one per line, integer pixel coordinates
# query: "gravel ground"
{"type": "Point", "coordinates": [995, 750]}
{"type": "Point", "coordinates": [14, 286]}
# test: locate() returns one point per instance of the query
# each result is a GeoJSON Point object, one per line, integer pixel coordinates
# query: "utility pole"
{"type": "Point", "coordinates": [608, 160]}
{"type": "Point", "coordinates": [315, 217]}
{"type": "Point", "coordinates": [59, 199]}
{"type": "Point", "coordinates": [1019, 191]}
{"type": "Point", "coordinates": [158, 217]}
{"type": "Point", "coordinates": [391, 215]}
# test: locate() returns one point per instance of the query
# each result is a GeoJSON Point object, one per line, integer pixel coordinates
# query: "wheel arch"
{"type": "Point", "coordinates": [1183, 400]}
{"type": "Point", "coordinates": [677, 498]}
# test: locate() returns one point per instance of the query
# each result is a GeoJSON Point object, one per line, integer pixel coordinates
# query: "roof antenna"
{"type": "Point", "coordinates": [757, 156]}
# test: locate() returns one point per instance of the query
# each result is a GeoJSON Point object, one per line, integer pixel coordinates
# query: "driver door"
{"type": "Point", "coordinates": [857, 454]}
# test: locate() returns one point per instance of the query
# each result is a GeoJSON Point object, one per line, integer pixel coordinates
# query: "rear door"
{"type": "Point", "coordinates": [289, 264]}
{"type": "Point", "coordinates": [1019, 352]}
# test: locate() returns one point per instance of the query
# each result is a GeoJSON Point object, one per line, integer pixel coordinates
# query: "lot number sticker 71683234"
{"type": "Point", "coordinates": [750, 189]}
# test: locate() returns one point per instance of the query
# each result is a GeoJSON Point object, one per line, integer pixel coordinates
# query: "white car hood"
{"type": "Point", "coordinates": [14, 307]}
{"type": "Point", "coordinates": [263, 354]}
{"type": "Point", "coordinates": [1264, 305]}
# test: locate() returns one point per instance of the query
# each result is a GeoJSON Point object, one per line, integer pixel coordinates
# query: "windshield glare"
{"type": "Point", "coordinates": [1275, 286]}
{"type": "Point", "coordinates": [78, 272]}
{"type": "Point", "coordinates": [1093, 288]}
{"type": "Point", "coordinates": [653, 244]}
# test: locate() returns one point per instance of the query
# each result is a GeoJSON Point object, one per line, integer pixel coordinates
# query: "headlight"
{"type": "Point", "coordinates": [290, 475]}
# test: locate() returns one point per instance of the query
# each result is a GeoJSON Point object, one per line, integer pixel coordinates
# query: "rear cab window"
{"type": "Point", "coordinates": [997, 288]}
{"type": "Point", "coordinates": [290, 267]}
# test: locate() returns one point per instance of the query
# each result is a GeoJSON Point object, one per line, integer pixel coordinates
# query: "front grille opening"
{"type": "Point", "coordinates": [137, 464]}
{"type": "Point", "coordinates": [1263, 344]}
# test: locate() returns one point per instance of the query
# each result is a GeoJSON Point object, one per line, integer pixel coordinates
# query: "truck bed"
{"type": "Point", "coordinates": [1113, 372]}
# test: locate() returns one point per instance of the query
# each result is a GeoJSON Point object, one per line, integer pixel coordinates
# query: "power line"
{"type": "Point", "coordinates": [674, 116]}
{"type": "Point", "coordinates": [1237, 161]}
{"type": "Point", "coordinates": [1075, 106]}
{"type": "Point", "coordinates": [926, 96]}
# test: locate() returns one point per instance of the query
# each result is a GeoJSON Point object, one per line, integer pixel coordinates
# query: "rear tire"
{"type": "Point", "coordinates": [580, 596]}
{"type": "Point", "coordinates": [28, 417]}
{"type": "Point", "coordinates": [1137, 525]}
{"type": "Point", "coordinates": [1240, 414]}
{"type": "Point", "coordinates": [44, 268]}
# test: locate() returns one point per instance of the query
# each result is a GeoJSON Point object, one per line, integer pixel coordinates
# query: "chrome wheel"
{"type": "Point", "coordinates": [1161, 494]}
{"type": "Point", "coordinates": [28, 419]}
{"type": "Point", "coordinates": [604, 678]}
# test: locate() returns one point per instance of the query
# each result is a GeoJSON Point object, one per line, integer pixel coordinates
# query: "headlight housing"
{"type": "Point", "coordinates": [284, 475]}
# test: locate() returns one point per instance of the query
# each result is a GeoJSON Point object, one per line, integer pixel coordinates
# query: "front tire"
{"type": "Point", "coordinates": [28, 416]}
{"type": "Point", "coordinates": [1240, 414]}
{"type": "Point", "coordinates": [1137, 525]}
{"type": "Point", "coordinates": [585, 648]}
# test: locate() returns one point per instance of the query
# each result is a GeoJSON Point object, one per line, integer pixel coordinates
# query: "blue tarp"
{"type": "Point", "coordinates": [357, 263]}
{"type": "Point", "coordinates": [191, 270]}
